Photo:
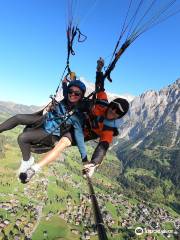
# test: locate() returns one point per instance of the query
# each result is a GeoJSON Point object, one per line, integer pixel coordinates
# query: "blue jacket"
{"type": "Point", "coordinates": [53, 120]}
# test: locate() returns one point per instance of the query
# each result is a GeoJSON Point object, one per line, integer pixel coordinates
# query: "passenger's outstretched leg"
{"type": "Point", "coordinates": [19, 119]}
{"type": "Point", "coordinates": [51, 156]}
{"type": "Point", "coordinates": [25, 140]}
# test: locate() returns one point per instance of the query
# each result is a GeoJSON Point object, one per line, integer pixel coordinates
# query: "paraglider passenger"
{"type": "Point", "coordinates": [50, 128]}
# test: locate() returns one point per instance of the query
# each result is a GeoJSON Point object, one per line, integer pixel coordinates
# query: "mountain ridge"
{"type": "Point", "coordinates": [152, 110]}
{"type": "Point", "coordinates": [16, 108]}
{"type": "Point", "coordinates": [149, 144]}
{"type": "Point", "coordinates": [12, 108]}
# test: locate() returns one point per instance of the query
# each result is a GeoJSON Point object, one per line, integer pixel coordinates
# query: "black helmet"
{"type": "Point", "coordinates": [121, 105]}
{"type": "Point", "coordinates": [79, 84]}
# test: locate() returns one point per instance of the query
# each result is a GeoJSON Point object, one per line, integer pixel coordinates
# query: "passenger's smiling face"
{"type": "Point", "coordinates": [74, 94]}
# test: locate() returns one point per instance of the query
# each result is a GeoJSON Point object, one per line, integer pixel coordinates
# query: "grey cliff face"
{"type": "Point", "coordinates": [151, 111]}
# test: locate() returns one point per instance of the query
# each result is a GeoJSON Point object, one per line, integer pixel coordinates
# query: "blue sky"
{"type": "Point", "coordinates": [33, 49]}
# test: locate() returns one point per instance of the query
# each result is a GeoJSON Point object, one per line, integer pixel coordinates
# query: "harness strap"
{"type": "Point", "coordinates": [81, 37]}
{"type": "Point", "coordinates": [116, 58]}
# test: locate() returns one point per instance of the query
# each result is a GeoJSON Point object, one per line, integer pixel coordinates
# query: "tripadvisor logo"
{"type": "Point", "coordinates": [139, 231]}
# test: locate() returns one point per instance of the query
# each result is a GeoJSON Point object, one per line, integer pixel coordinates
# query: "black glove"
{"type": "Point", "coordinates": [99, 152]}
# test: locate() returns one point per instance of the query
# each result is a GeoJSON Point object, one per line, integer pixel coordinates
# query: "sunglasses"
{"type": "Point", "coordinates": [116, 106]}
{"type": "Point", "coordinates": [76, 93]}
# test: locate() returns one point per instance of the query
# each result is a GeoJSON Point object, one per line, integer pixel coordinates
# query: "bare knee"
{"type": "Point", "coordinates": [63, 143]}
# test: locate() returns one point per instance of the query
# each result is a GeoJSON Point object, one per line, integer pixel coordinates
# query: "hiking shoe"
{"type": "Point", "coordinates": [25, 165]}
{"type": "Point", "coordinates": [25, 177]}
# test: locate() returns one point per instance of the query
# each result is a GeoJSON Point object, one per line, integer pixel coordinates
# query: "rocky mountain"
{"type": "Point", "coordinates": [154, 115]}
{"type": "Point", "coordinates": [149, 142]}
{"type": "Point", "coordinates": [13, 108]}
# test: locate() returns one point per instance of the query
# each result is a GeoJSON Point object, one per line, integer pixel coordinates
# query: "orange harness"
{"type": "Point", "coordinates": [96, 118]}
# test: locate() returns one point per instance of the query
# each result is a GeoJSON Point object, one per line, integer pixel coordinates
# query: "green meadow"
{"type": "Point", "coordinates": [56, 203]}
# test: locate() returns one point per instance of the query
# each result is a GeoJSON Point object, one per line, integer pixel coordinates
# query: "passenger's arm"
{"type": "Point", "coordinates": [79, 138]}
